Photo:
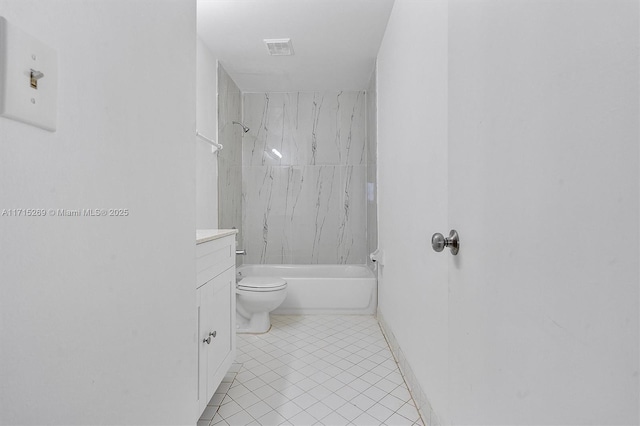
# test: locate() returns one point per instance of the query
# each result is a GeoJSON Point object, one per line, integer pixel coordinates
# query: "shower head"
{"type": "Point", "coordinates": [244, 128]}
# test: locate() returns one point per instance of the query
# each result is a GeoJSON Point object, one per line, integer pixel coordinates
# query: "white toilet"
{"type": "Point", "coordinates": [255, 298]}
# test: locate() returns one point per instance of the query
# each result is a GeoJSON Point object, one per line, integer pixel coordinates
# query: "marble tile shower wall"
{"type": "Point", "coordinates": [229, 158]}
{"type": "Point", "coordinates": [304, 178]}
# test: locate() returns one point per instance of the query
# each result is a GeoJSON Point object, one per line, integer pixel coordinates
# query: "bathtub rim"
{"type": "Point", "coordinates": [361, 299]}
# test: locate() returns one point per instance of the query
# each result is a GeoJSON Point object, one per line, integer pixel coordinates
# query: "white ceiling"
{"type": "Point", "coordinates": [335, 41]}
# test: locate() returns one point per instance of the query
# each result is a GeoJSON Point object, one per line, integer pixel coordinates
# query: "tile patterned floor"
{"type": "Point", "coordinates": [330, 370]}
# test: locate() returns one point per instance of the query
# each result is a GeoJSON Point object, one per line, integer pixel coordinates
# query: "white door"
{"type": "Point", "coordinates": [543, 190]}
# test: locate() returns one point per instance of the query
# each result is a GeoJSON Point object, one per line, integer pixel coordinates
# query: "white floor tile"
{"type": "Point", "coordinates": [272, 418]}
{"type": "Point", "coordinates": [367, 365]}
{"type": "Point", "coordinates": [375, 393]}
{"type": "Point", "coordinates": [227, 399]}
{"type": "Point", "coordinates": [386, 385]}
{"type": "Point", "coordinates": [270, 376]}
{"type": "Point", "coordinates": [381, 370]}
{"type": "Point", "coordinates": [327, 370]}
{"type": "Point", "coordinates": [356, 370]}
{"type": "Point", "coordinates": [319, 410]}
{"type": "Point", "coordinates": [365, 420]}
{"type": "Point", "coordinates": [379, 412]}
{"type": "Point", "coordinates": [349, 411]}
{"type": "Point", "coordinates": [218, 421]}
{"type": "Point", "coordinates": [363, 402]}
{"type": "Point", "coordinates": [307, 384]}
{"type": "Point", "coordinates": [333, 384]}
{"type": "Point", "coordinates": [292, 391]}
{"type": "Point", "coordinates": [254, 383]}
{"type": "Point", "coordinates": [259, 409]}
{"type": "Point", "coordinates": [334, 401]}
{"type": "Point", "coordinates": [391, 402]}
{"type": "Point", "coordinates": [280, 384]}
{"type": "Point", "coordinates": [238, 391]}
{"type": "Point", "coordinates": [276, 400]}
{"type": "Point", "coordinates": [240, 419]}
{"type": "Point", "coordinates": [343, 363]}
{"type": "Point", "coordinates": [228, 410]}
{"type": "Point", "coordinates": [320, 377]}
{"type": "Point", "coordinates": [408, 411]}
{"type": "Point", "coordinates": [305, 400]}
{"type": "Point", "coordinates": [370, 377]}
{"type": "Point", "coordinates": [245, 376]}
{"type": "Point", "coordinates": [347, 392]}
{"type": "Point", "coordinates": [247, 400]}
{"type": "Point", "coordinates": [346, 377]}
{"type": "Point", "coordinates": [398, 420]}
{"type": "Point", "coordinates": [335, 419]}
{"type": "Point", "coordinates": [289, 409]}
{"type": "Point", "coordinates": [320, 392]}
{"type": "Point", "coordinates": [260, 370]}
{"type": "Point", "coordinates": [402, 393]}
{"type": "Point", "coordinates": [360, 385]}
{"type": "Point", "coordinates": [390, 363]}
{"type": "Point", "coordinates": [264, 392]}
{"type": "Point", "coordinates": [303, 419]}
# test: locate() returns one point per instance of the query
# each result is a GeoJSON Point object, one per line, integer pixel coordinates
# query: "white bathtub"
{"type": "Point", "coordinates": [322, 289]}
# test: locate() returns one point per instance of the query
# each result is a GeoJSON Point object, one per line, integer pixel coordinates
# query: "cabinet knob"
{"type": "Point", "coordinates": [207, 340]}
{"type": "Point", "coordinates": [213, 334]}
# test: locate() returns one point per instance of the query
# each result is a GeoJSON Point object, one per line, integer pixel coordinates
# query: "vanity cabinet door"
{"type": "Point", "coordinates": [222, 304]}
{"type": "Point", "coordinates": [204, 296]}
{"type": "Point", "coordinates": [216, 333]}
{"type": "Point", "coordinates": [223, 307]}
{"type": "Point", "coordinates": [216, 300]}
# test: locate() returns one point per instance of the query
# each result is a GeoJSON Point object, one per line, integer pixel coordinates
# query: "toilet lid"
{"type": "Point", "coordinates": [262, 284]}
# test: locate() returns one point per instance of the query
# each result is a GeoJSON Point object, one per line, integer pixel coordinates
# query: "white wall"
{"type": "Point", "coordinates": [98, 313]}
{"type": "Point", "coordinates": [206, 123]}
{"type": "Point", "coordinates": [412, 188]}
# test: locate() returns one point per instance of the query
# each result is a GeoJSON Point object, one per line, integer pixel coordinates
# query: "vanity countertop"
{"type": "Point", "coordinates": [204, 235]}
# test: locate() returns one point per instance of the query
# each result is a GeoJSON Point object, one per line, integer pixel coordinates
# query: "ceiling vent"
{"type": "Point", "coordinates": [279, 46]}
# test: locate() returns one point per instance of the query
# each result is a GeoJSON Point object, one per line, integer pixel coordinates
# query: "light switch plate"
{"type": "Point", "coordinates": [21, 57]}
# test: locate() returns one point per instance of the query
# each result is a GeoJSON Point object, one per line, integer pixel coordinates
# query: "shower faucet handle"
{"type": "Point", "coordinates": [241, 252]}
{"type": "Point", "coordinates": [439, 242]}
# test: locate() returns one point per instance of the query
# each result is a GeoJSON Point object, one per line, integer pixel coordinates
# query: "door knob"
{"type": "Point", "coordinates": [439, 242]}
{"type": "Point", "coordinates": [207, 340]}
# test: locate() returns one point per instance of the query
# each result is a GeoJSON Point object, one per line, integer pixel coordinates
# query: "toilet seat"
{"type": "Point", "coordinates": [260, 284]}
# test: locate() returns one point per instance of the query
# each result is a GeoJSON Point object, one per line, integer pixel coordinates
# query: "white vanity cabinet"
{"type": "Point", "coordinates": [216, 299]}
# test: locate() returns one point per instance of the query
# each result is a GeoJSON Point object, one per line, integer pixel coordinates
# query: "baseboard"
{"type": "Point", "coordinates": [420, 398]}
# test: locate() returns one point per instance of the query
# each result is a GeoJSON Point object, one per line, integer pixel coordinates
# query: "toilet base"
{"type": "Point", "coordinates": [258, 324]}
